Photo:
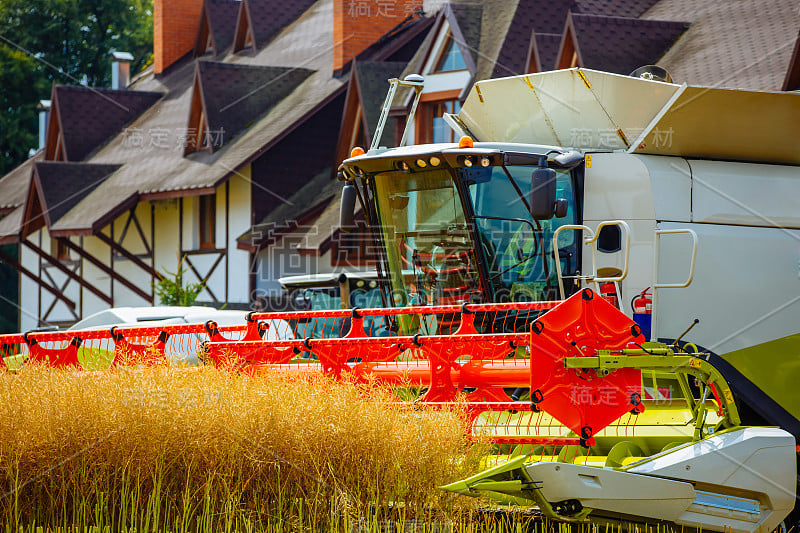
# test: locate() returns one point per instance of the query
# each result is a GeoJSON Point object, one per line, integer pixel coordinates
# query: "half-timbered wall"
{"type": "Point", "coordinates": [150, 238]}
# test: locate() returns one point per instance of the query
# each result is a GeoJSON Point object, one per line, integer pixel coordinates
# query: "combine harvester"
{"type": "Point", "coordinates": [600, 268]}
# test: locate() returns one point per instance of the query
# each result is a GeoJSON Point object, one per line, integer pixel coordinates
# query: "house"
{"type": "Point", "coordinates": [240, 109]}
{"type": "Point", "coordinates": [223, 154]}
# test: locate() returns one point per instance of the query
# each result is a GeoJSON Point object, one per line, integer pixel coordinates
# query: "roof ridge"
{"type": "Point", "coordinates": [641, 21]}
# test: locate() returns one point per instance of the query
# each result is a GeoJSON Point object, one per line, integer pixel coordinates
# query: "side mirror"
{"type": "Point", "coordinates": [543, 192]}
{"type": "Point", "coordinates": [347, 209]}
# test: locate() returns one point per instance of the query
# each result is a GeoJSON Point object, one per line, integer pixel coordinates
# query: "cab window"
{"type": "Point", "coordinates": [517, 249]}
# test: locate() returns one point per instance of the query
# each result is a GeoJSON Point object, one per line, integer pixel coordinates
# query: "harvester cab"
{"type": "Point", "coordinates": [638, 189]}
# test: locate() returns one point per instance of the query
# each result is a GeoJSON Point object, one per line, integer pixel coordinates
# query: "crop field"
{"type": "Point", "coordinates": [201, 450]}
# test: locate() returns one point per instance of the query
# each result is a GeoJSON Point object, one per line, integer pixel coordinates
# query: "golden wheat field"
{"type": "Point", "coordinates": [200, 449]}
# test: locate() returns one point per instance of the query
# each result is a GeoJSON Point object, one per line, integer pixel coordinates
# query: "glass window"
{"type": "Point", "coordinates": [428, 245]}
{"type": "Point", "coordinates": [322, 299]}
{"type": "Point", "coordinates": [206, 219]}
{"type": "Point", "coordinates": [440, 131]}
{"type": "Point", "coordinates": [511, 240]}
{"type": "Point", "coordinates": [451, 57]}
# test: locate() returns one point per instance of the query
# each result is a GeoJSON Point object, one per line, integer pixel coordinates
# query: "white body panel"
{"type": "Point", "coordinates": [757, 463]}
{"type": "Point", "coordinates": [611, 490]}
{"type": "Point", "coordinates": [750, 269]}
{"type": "Point", "coordinates": [746, 289]}
{"type": "Point", "coordinates": [746, 194]}
{"type": "Point", "coordinates": [742, 481]}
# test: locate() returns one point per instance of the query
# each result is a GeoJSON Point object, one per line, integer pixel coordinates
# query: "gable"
{"type": "Point", "coordinates": [616, 44]}
{"type": "Point", "coordinates": [217, 26]}
{"type": "Point", "coordinates": [61, 186]}
{"type": "Point", "coordinates": [530, 16]}
{"type": "Point", "coordinates": [544, 51]}
{"type": "Point", "coordinates": [232, 96]}
{"type": "Point", "coordinates": [83, 118]}
{"type": "Point", "coordinates": [365, 97]}
{"type": "Point", "coordinates": [263, 20]}
{"type": "Point", "coordinates": [465, 27]}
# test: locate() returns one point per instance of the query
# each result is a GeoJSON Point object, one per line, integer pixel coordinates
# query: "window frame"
{"type": "Point", "coordinates": [449, 42]}
{"type": "Point", "coordinates": [207, 221]}
{"type": "Point", "coordinates": [425, 114]}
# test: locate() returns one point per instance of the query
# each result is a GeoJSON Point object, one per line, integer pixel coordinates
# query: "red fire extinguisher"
{"type": "Point", "coordinates": [609, 293]}
{"type": "Point", "coordinates": [642, 305]}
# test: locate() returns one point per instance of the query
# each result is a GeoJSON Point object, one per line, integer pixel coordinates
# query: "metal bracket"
{"type": "Point", "coordinates": [416, 82]}
{"type": "Point", "coordinates": [657, 356]}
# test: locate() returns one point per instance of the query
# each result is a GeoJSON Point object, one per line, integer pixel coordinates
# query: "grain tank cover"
{"type": "Point", "coordinates": [592, 110]}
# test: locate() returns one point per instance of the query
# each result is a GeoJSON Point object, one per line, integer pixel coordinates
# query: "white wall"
{"type": "Point", "coordinates": [240, 222]}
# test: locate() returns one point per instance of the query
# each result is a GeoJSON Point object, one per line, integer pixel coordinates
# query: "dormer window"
{"type": "Point", "coordinates": [197, 134]}
{"type": "Point", "coordinates": [451, 58]}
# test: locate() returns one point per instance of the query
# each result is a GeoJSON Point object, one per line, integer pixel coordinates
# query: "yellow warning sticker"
{"type": "Point", "coordinates": [588, 160]}
{"type": "Point", "coordinates": [528, 81]}
{"type": "Point", "coordinates": [585, 80]}
{"type": "Point", "coordinates": [478, 91]}
{"type": "Point", "coordinates": [728, 395]}
{"type": "Point", "coordinates": [694, 363]}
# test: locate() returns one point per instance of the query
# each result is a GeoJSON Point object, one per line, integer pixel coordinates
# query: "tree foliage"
{"type": "Point", "coordinates": [64, 42]}
{"type": "Point", "coordinates": [171, 289]}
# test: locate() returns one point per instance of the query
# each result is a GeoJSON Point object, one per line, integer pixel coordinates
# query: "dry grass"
{"type": "Point", "coordinates": [199, 449]}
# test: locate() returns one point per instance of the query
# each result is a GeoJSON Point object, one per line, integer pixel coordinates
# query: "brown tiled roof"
{"type": "Point", "coordinates": [547, 17]}
{"type": "Point", "coordinates": [306, 152]}
{"type": "Point", "coordinates": [63, 185]}
{"type": "Point", "coordinates": [312, 198]}
{"type": "Point", "coordinates": [222, 16]}
{"type": "Point", "coordinates": [268, 17]}
{"type": "Point", "coordinates": [621, 45]}
{"type": "Point", "coordinates": [530, 16]}
{"type": "Point", "coordinates": [11, 224]}
{"type": "Point", "coordinates": [613, 8]}
{"type": "Point", "coordinates": [236, 95]}
{"type": "Point", "coordinates": [14, 185]}
{"type": "Point", "coordinates": [158, 169]}
{"type": "Point", "coordinates": [90, 116]}
{"type": "Point", "coordinates": [545, 46]}
{"type": "Point", "coordinates": [317, 238]}
{"type": "Point", "coordinates": [731, 44]}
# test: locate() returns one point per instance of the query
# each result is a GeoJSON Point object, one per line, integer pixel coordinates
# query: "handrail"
{"type": "Point", "coordinates": [656, 284]}
{"type": "Point", "coordinates": [592, 240]}
{"type": "Point", "coordinates": [689, 280]}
